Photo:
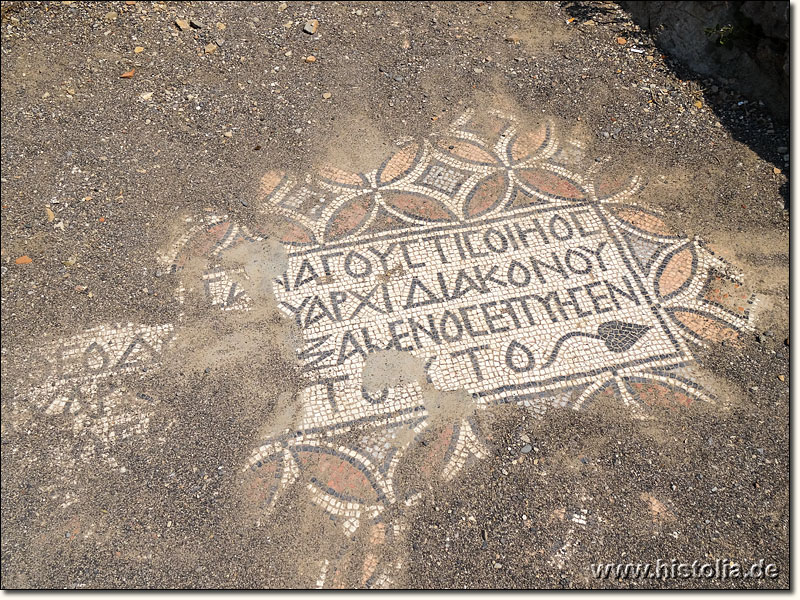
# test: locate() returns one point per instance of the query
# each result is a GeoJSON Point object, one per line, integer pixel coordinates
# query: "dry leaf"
{"type": "Point", "coordinates": [23, 260]}
{"type": "Point", "coordinates": [50, 214]}
{"type": "Point", "coordinates": [128, 74]}
{"type": "Point", "coordinates": [622, 41]}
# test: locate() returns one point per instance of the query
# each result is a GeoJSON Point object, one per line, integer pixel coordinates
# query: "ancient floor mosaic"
{"type": "Point", "coordinates": [502, 258]}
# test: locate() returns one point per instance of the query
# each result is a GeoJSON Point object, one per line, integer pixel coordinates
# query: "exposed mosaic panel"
{"type": "Point", "coordinates": [507, 263]}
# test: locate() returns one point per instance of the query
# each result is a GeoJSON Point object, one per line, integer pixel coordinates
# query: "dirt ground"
{"type": "Point", "coordinates": [120, 120]}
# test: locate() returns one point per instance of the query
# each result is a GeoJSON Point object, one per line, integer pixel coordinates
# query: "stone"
{"type": "Point", "coordinates": [183, 24]}
{"type": "Point", "coordinates": [311, 58]}
{"type": "Point", "coordinates": [326, 95]}
{"type": "Point", "coordinates": [111, 16]}
{"type": "Point", "coordinates": [311, 27]}
{"type": "Point", "coordinates": [211, 48]}
{"type": "Point", "coordinates": [526, 448]}
{"type": "Point", "coordinates": [138, 50]}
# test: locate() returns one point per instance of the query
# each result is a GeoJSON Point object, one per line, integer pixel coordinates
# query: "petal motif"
{"type": "Point", "coordinates": [342, 177]}
{"type": "Point", "coordinates": [349, 217]}
{"type": "Point", "coordinates": [642, 220]}
{"type": "Point", "coordinates": [418, 206]}
{"type": "Point", "coordinates": [486, 195]}
{"type": "Point", "coordinates": [675, 273]}
{"type": "Point", "coordinates": [528, 143]}
{"type": "Point", "coordinates": [467, 151]}
{"type": "Point", "coordinates": [400, 163]}
{"type": "Point", "coordinates": [550, 184]}
{"type": "Point", "coordinates": [336, 472]}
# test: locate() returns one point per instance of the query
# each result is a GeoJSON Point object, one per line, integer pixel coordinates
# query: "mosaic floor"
{"type": "Point", "coordinates": [503, 259]}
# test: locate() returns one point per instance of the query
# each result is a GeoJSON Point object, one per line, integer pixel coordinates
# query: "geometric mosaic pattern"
{"type": "Point", "coordinates": [496, 257]}
{"type": "Point", "coordinates": [503, 259]}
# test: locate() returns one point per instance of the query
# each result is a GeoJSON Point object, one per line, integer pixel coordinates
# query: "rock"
{"type": "Point", "coordinates": [146, 96]}
{"type": "Point", "coordinates": [311, 58]}
{"type": "Point", "coordinates": [327, 95]}
{"type": "Point", "coordinates": [183, 24]}
{"type": "Point", "coordinates": [526, 448]}
{"type": "Point", "coordinates": [244, 203]}
{"type": "Point", "coordinates": [195, 24]}
{"type": "Point", "coordinates": [776, 170]}
{"type": "Point", "coordinates": [780, 377]}
{"type": "Point", "coordinates": [282, 6]}
{"type": "Point", "coordinates": [221, 26]}
{"type": "Point", "coordinates": [228, 134]}
{"type": "Point", "coordinates": [211, 48]}
{"type": "Point", "coordinates": [524, 437]}
{"type": "Point", "coordinates": [23, 260]}
{"type": "Point", "coordinates": [111, 16]}
{"type": "Point", "coordinates": [786, 341]}
{"type": "Point", "coordinates": [50, 214]}
{"type": "Point", "coordinates": [311, 27]}
{"type": "Point", "coordinates": [698, 104]}
{"type": "Point", "coordinates": [622, 41]}
{"type": "Point", "coordinates": [138, 50]}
